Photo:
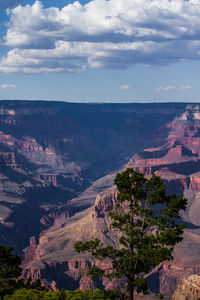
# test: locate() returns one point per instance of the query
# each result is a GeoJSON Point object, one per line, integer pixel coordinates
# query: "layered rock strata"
{"type": "Point", "coordinates": [189, 288]}
{"type": "Point", "coordinates": [177, 161]}
{"type": "Point", "coordinates": [50, 152]}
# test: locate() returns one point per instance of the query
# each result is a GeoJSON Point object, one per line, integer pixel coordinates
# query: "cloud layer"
{"type": "Point", "coordinates": [7, 86]}
{"type": "Point", "coordinates": [173, 88]}
{"type": "Point", "coordinates": [101, 34]}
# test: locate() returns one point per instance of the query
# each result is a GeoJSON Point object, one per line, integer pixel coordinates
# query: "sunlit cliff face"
{"type": "Point", "coordinates": [177, 161]}
{"type": "Point", "coordinates": [186, 129]}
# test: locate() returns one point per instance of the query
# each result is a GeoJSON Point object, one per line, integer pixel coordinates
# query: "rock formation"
{"type": "Point", "coordinates": [50, 152]}
{"type": "Point", "coordinates": [189, 288]}
{"type": "Point", "coordinates": [177, 161]}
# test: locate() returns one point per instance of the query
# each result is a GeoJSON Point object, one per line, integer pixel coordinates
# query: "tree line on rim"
{"type": "Point", "coordinates": [145, 219]}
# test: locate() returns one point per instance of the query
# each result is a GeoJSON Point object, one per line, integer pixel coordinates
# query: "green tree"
{"type": "Point", "coordinates": [146, 221]}
{"type": "Point", "coordinates": [24, 294]}
{"type": "Point", "coordinates": [10, 272]}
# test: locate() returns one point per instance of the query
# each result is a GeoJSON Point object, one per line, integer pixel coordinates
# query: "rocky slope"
{"type": "Point", "coordinates": [189, 288]}
{"type": "Point", "coordinates": [52, 151]}
{"type": "Point", "coordinates": [54, 259]}
{"type": "Point", "coordinates": [177, 161]}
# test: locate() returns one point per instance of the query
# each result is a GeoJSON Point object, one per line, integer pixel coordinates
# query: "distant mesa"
{"type": "Point", "coordinates": [58, 162]}
{"type": "Point", "coordinates": [177, 161]}
{"type": "Point", "coordinates": [50, 152]}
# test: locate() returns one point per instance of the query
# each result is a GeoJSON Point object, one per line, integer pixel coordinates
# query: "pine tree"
{"type": "Point", "coordinates": [146, 220]}
{"type": "Point", "coordinates": [10, 272]}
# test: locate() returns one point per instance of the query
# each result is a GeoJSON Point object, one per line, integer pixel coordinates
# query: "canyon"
{"type": "Point", "coordinates": [50, 152]}
{"type": "Point", "coordinates": [58, 164]}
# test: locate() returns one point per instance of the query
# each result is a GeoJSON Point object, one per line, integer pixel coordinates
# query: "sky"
{"type": "Point", "coordinates": [100, 50]}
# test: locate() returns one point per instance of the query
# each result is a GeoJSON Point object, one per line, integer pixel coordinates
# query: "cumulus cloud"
{"type": "Point", "coordinates": [7, 86]}
{"type": "Point", "coordinates": [101, 34]}
{"type": "Point", "coordinates": [172, 88]}
{"type": "Point", "coordinates": [125, 87]}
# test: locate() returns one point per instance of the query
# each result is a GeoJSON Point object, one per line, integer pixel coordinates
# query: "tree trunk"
{"type": "Point", "coordinates": [132, 297]}
{"type": "Point", "coordinates": [131, 290]}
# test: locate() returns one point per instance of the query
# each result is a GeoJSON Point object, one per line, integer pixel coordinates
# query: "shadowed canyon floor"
{"type": "Point", "coordinates": [177, 161]}
{"type": "Point", "coordinates": [50, 152]}
{"type": "Point", "coordinates": [54, 189]}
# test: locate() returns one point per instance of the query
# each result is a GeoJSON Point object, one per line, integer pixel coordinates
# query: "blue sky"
{"type": "Point", "coordinates": [100, 50]}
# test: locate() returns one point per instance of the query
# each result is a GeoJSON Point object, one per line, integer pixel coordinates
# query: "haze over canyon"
{"type": "Point", "coordinates": [58, 164]}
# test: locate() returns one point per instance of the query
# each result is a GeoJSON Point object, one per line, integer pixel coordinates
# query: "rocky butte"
{"type": "Point", "coordinates": [176, 158]}
{"type": "Point", "coordinates": [50, 152]}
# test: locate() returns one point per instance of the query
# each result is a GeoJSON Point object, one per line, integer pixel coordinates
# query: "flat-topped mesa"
{"type": "Point", "coordinates": [183, 144]}
{"type": "Point", "coordinates": [177, 161]}
{"type": "Point", "coordinates": [27, 147]}
{"type": "Point", "coordinates": [148, 162]}
{"type": "Point", "coordinates": [183, 130]}
{"type": "Point", "coordinates": [186, 129]}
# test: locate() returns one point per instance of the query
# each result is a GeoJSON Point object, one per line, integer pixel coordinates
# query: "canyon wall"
{"type": "Point", "coordinates": [58, 162]}
{"type": "Point", "coordinates": [177, 161]}
{"type": "Point", "coordinates": [50, 152]}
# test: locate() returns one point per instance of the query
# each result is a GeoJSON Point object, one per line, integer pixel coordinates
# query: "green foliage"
{"type": "Point", "coordinates": [30, 284]}
{"type": "Point", "coordinates": [146, 221]}
{"type": "Point", "coordinates": [31, 294]}
{"type": "Point", "coordinates": [24, 294]}
{"type": "Point", "coordinates": [10, 271]}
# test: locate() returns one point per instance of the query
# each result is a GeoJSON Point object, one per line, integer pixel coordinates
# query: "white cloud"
{"type": "Point", "coordinates": [7, 86]}
{"type": "Point", "coordinates": [125, 87]}
{"type": "Point", "coordinates": [186, 87]}
{"type": "Point", "coordinates": [101, 34]}
{"type": "Point", "coordinates": [172, 88]}
{"type": "Point", "coordinates": [165, 88]}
